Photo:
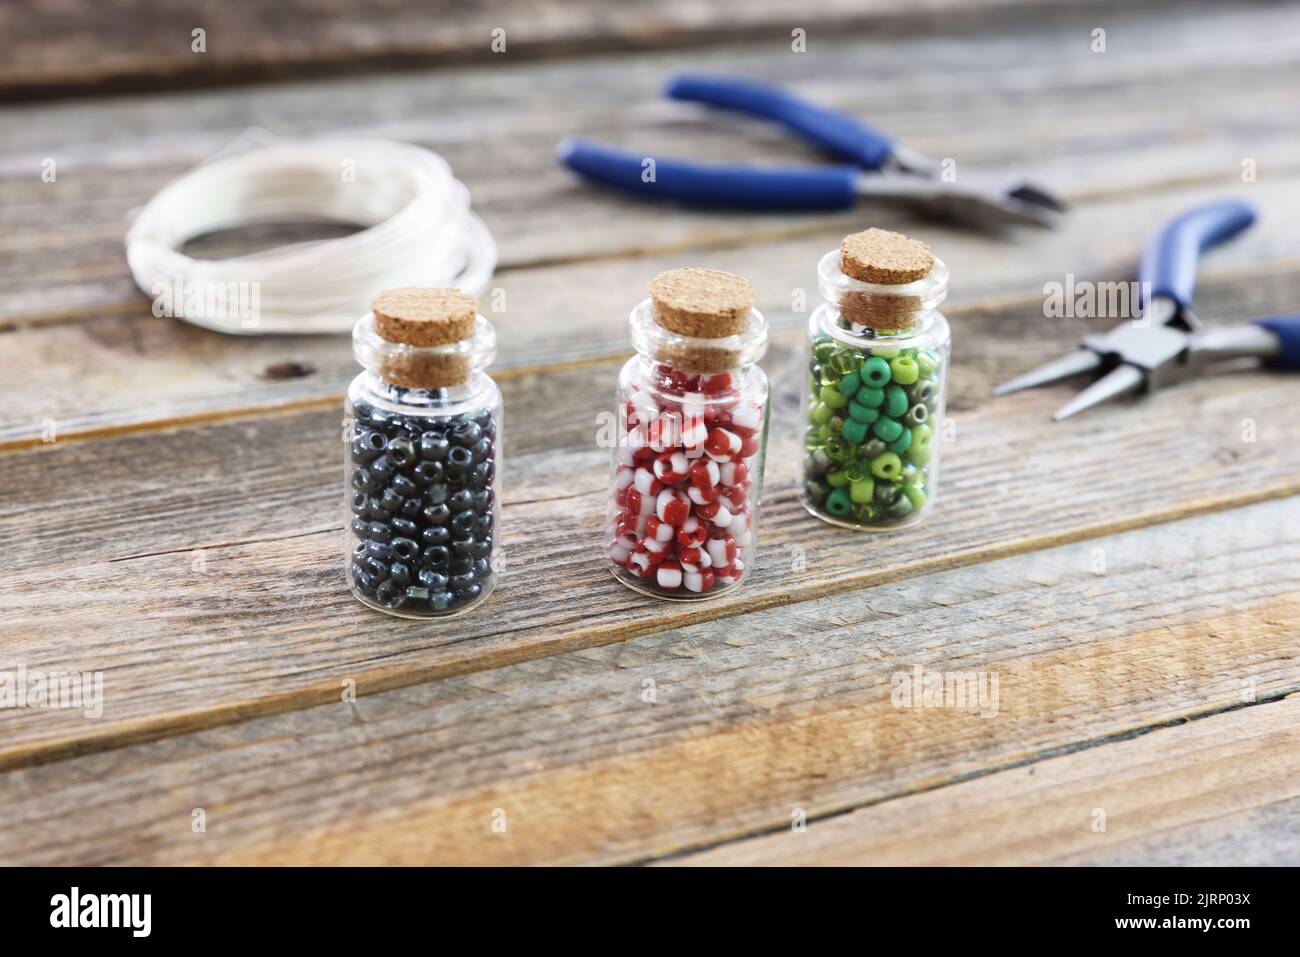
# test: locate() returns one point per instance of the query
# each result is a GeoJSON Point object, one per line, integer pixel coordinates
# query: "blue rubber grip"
{"type": "Point", "coordinates": [841, 135]}
{"type": "Point", "coordinates": [732, 187]}
{"type": "Point", "coordinates": [1287, 330]}
{"type": "Point", "coordinates": [1169, 261]}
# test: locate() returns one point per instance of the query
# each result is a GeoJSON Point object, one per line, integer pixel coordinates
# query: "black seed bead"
{"type": "Point", "coordinates": [364, 481]}
{"type": "Point", "coordinates": [436, 535]}
{"type": "Point", "coordinates": [400, 573]}
{"type": "Point", "coordinates": [404, 549]}
{"type": "Point", "coordinates": [383, 468]}
{"type": "Point", "coordinates": [482, 569]}
{"type": "Point", "coordinates": [463, 546]}
{"type": "Point", "coordinates": [368, 446]}
{"type": "Point", "coordinates": [427, 473]}
{"type": "Point", "coordinates": [403, 486]}
{"type": "Point", "coordinates": [458, 464]}
{"type": "Point", "coordinates": [379, 550]}
{"type": "Point", "coordinates": [480, 476]}
{"type": "Point", "coordinates": [462, 500]}
{"type": "Point", "coordinates": [432, 580]}
{"type": "Point", "coordinates": [462, 581]}
{"type": "Point", "coordinates": [359, 553]}
{"type": "Point", "coordinates": [390, 594]}
{"type": "Point", "coordinates": [483, 501]}
{"type": "Point", "coordinates": [483, 527]}
{"type": "Point", "coordinates": [460, 564]}
{"type": "Point", "coordinates": [375, 568]}
{"type": "Point", "coordinates": [437, 557]}
{"type": "Point", "coordinates": [462, 523]}
{"type": "Point", "coordinates": [438, 494]}
{"type": "Point", "coordinates": [406, 528]}
{"type": "Point", "coordinates": [440, 600]}
{"type": "Point", "coordinates": [402, 452]}
{"type": "Point", "coordinates": [466, 433]}
{"type": "Point", "coordinates": [481, 450]}
{"type": "Point", "coordinates": [391, 500]}
{"type": "Point", "coordinates": [411, 507]}
{"type": "Point", "coordinates": [359, 527]}
{"type": "Point", "coordinates": [436, 514]}
{"type": "Point", "coordinates": [379, 532]}
{"type": "Point", "coordinates": [470, 592]}
{"type": "Point", "coordinates": [483, 546]}
{"type": "Point", "coordinates": [360, 504]}
{"type": "Point", "coordinates": [365, 582]}
{"type": "Point", "coordinates": [433, 447]}
{"type": "Point", "coordinates": [375, 509]}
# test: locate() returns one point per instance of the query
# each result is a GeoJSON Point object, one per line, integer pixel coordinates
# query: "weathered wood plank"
{"type": "Point", "coordinates": [118, 521]}
{"type": "Point", "coordinates": [131, 371]}
{"type": "Point", "coordinates": [966, 100]}
{"type": "Point", "coordinates": [1224, 790]}
{"type": "Point", "coordinates": [87, 47]}
{"type": "Point", "coordinates": [751, 718]}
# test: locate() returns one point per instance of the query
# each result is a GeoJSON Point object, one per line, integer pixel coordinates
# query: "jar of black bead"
{"type": "Point", "coordinates": [877, 375]}
{"type": "Point", "coordinates": [423, 454]}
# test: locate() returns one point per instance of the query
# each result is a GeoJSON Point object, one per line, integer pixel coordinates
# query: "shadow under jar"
{"type": "Point", "coordinates": [874, 397]}
{"type": "Point", "coordinates": [423, 455]}
{"type": "Point", "coordinates": [687, 471]}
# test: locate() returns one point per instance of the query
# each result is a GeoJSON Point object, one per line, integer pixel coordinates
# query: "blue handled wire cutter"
{"type": "Point", "coordinates": [1167, 343]}
{"type": "Point", "coordinates": [880, 168]}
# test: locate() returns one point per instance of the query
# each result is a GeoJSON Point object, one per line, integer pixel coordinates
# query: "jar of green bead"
{"type": "Point", "coordinates": [877, 374]}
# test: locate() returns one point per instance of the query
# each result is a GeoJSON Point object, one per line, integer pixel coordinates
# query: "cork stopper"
{"type": "Point", "coordinates": [883, 258]}
{"type": "Point", "coordinates": [425, 319]}
{"type": "Point", "coordinates": [700, 304]}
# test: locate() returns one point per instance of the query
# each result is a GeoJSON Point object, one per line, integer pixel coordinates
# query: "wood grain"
{"type": "Point", "coordinates": [753, 716]}
{"type": "Point", "coordinates": [1221, 791]}
{"type": "Point", "coordinates": [59, 49]}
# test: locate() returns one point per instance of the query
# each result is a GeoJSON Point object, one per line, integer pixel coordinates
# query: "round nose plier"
{"type": "Point", "coordinates": [1167, 343]}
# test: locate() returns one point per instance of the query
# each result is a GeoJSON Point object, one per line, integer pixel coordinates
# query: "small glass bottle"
{"type": "Point", "coordinates": [877, 377]}
{"type": "Point", "coordinates": [688, 464]}
{"type": "Point", "coordinates": [423, 455]}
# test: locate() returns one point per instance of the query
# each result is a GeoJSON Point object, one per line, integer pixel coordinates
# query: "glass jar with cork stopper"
{"type": "Point", "coordinates": [877, 377]}
{"type": "Point", "coordinates": [423, 455]}
{"type": "Point", "coordinates": [692, 413]}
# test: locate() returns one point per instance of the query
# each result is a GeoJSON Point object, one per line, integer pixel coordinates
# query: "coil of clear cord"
{"type": "Point", "coordinates": [417, 230]}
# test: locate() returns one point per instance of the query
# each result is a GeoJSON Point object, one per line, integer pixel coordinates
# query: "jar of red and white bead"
{"type": "Point", "coordinates": [688, 464]}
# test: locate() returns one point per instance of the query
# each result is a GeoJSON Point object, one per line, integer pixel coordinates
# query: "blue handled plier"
{"type": "Point", "coordinates": [880, 168]}
{"type": "Point", "coordinates": [1167, 343]}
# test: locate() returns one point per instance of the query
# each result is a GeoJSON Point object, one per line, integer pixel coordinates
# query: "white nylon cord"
{"type": "Point", "coordinates": [418, 231]}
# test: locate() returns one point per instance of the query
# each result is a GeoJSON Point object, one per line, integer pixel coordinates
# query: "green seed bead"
{"type": "Point", "coordinates": [901, 443]}
{"type": "Point", "coordinates": [887, 429]}
{"type": "Point", "coordinates": [886, 466]}
{"type": "Point", "coordinates": [888, 354]}
{"type": "Point", "coordinates": [862, 491]}
{"type": "Point", "coordinates": [916, 415]}
{"type": "Point", "coordinates": [887, 493]}
{"type": "Point", "coordinates": [837, 479]}
{"type": "Point", "coordinates": [926, 363]}
{"type": "Point", "coordinates": [824, 351]}
{"type": "Point", "coordinates": [920, 450]}
{"type": "Point", "coordinates": [836, 447]}
{"type": "Point", "coordinates": [816, 491]}
{"type": "Point", "coordinates": [857, 471]}
{"type": "Point", "coordinates": [924, 390]}
{"type": "Point", "coordinates": [904, 370]}
{"type": "Point", "coordinates": [872, 447]}
{"type": "Point", "coordinates": [865, 514]}
{"type": "Point", "coordinates": [821, 413]}
{"type": "Point", "coordinates": [875, 372]}
{"type": "Point", "coordinates": [870, 397]}
{"type": "Point", "coordinates": [850, 383]}
{"type": "Point", "coordinates": [862, 413]}
{"type": "Point", "coordinates": [895, 401]}
{"type": "Point", "coordinates": [846, 362]}
{"type": "Point", "coordinates": [915, 495]}
{"type": "Point", "coordinates": [838, 399]}
{"type": "Point", "coordinates": [911, 475]}
{"type": "Point", "coordinates": [824, 431]}
{"type": "Point", "coordinates": [838, 502]}
{"type": "Point", "coordinates": [901, 507]}
{"type": "Point", "coordinates": [855, 431]}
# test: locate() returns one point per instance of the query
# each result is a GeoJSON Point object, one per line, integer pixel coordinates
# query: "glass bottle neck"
{"type": "Point", "coordinates": [877, 311]}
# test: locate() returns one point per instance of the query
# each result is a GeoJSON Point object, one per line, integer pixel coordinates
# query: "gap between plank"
{"type": "Point", "coordinates": [1037, 757]}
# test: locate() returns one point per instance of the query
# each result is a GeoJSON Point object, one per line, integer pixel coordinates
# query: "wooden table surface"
{"type": "Point", "coordinates": [1131, 577]}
